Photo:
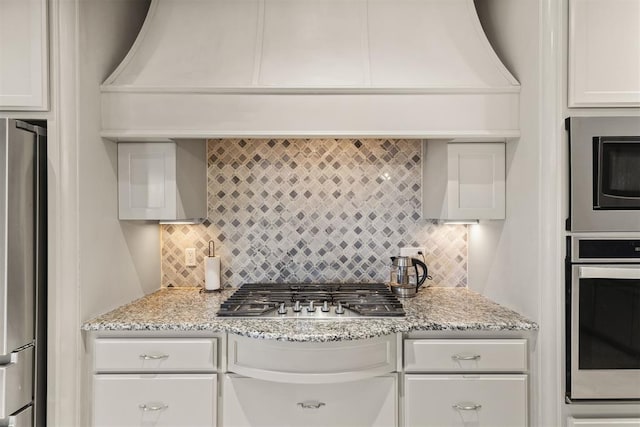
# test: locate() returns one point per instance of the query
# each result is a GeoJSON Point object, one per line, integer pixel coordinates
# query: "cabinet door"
{"type": "Point", "coordinates": [147, 180]}
{"type": "Point", "coordinates": [154, 400]}
{"type": "Point", "coordinates": [466, 400]}
{"type": "Point", "coordinates": [476, 181]}
{"type": "Point", "coordinates": [23, 55]}
{"type": "Point", "coordinates": [604, 54]}
{"type": "Point", "coordinates": [251, 402]}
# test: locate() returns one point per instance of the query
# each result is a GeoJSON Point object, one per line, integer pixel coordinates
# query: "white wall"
{"type": "Point", "coordinates": [503, 255]}
{"type": "Point", "coordinates": [119, 261]}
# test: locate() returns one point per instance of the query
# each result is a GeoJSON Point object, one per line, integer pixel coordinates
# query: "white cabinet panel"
{"type": "Point", "coordinates": [476, 187]}
{"type": "Point", "coordinates": [466, 400]}
{"type": "Point", "coordinates": [155, 355]}
{"type": "Point", "coordinates": [162, 180]}
{"type": "Point", "coordinates": [604, 53]}
{"type": "Point", "coordinates": [23, 55]}
{"type": "Point", "coordinates": [250, 402]}
{"type": "Point", "coordinates": [465, 355]}
{"type": "Point", "coordinates": [154, 400]}
{"type": "Point", "coordinates": [309, 36]}
{"type": "Point", "coordinates": [463, 181]}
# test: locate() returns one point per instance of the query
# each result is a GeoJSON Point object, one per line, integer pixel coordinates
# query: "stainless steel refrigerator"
{"type": "Point", "coordinates": [22, 273]}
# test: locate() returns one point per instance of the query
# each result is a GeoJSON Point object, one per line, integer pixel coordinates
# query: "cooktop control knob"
{"type": "Point", "coordinates": [296, 307]}
{"type": "Point", "coordinates": [325, 306]}
{"type": "Point", "coordinates": [311, 307]}
{"type": "Point", "coordinates": [339, 308]}
{"type": "Point", "coordinates": [282, 309]}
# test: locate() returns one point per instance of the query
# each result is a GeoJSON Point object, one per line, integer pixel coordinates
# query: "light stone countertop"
{"type": "Point", "coordinates": [187, 309]}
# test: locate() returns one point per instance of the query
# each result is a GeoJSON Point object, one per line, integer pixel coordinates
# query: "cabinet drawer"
{"type": "Point", "coordinates": [157, 400]}
{"type": "Point", "coordinates": [155, 355]}
{"type": "Point", "coordinates": [465, 355]}
{"type": "Point", "coordinates": [464, 400]}
{"type": "Point", "coordinates": [251, 402]}
{"type": "Point", "coordinates": [311, 362]}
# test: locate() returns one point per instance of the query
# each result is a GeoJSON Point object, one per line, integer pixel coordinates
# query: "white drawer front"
{"type": "Point", "coordinates": [465, 355]}
{"type": "Point", "coordinates": [155, 355]}
{"type": "Point", "coordinates": [463, 400]}
{"type": "Point", "coordinates": [187, 400]}
{"type": "Point", "coordinates": [310, 362]}
{"type": "Point", "coordinates": [250, 402]}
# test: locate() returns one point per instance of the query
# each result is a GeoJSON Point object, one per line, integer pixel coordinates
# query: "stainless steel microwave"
{"type": "Point", "coordinates": [604, 177]}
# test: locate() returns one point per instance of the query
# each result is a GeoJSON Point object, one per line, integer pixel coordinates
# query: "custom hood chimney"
{"type": "Point", "coordinates": [280, 68]}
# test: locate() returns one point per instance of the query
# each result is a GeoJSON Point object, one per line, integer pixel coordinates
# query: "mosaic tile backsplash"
{"type": "Point", "coordinates": [313, 210]}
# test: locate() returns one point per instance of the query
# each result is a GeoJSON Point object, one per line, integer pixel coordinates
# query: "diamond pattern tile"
{"type": "Point", "coordinates": [313, 210]}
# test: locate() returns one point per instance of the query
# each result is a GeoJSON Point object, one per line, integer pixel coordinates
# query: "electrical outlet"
{"type": "Point", "coordinates": [190, 257]}
{"type": "Point", "coordinates": [413, 252]}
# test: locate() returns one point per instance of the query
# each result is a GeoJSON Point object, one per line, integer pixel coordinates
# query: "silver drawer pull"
{"type": "Point", "coordinates": [467, 406]}
{"type": "Point", "coordinates": [312, 404]}
{"type": "Point", "coordinates": [147, 407]}
{"type": "Point", "coordinates": [154, 356]}
{"type": "Point", "coordinates": [465, 357]}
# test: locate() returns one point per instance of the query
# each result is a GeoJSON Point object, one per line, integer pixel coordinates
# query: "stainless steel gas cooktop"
{"type": "Point", "coordinates": [312, 301]}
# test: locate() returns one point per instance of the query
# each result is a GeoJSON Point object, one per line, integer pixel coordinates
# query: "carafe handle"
{"type": "Point", "coordinates": [420, 279]}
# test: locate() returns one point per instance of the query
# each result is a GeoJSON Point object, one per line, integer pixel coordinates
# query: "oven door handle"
{"type": "Point", "coordinates": [608, 273]}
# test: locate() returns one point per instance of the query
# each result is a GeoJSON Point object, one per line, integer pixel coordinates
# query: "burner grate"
{"type": "Point", "coordinates": [269, 300]}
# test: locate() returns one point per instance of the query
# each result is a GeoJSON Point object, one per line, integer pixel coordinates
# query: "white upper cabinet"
{"type": "Point", "coordinates": [463, 181]}
{"type": "Point", "coordinates": [23, 55]}
{"type": "Point", "coordinates": [604, 53]}
{"type": "Point", "coordinates": [162, 180]}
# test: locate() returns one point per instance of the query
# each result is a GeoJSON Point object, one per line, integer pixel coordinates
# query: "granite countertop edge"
{"type": "Point", "coordinates": [434, 309]}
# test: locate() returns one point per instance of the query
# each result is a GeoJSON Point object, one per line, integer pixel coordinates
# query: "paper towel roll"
{"type": "Point", "coordinates": [211, 273]}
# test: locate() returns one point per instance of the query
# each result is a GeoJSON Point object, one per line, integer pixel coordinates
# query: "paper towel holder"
{"type": "Point", "coordinates": [212, 278]}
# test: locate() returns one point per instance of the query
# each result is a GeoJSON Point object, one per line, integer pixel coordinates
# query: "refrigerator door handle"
{"type": "Point", "coordinates": [16, 382]}
{"type": "Point", "coordinates": [609, 272]}
{"type": "Point", "coordinates": [22, 418]}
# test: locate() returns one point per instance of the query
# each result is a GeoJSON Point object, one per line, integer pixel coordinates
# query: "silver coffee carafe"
{"type": "Point", "coordinates": [402, 269]}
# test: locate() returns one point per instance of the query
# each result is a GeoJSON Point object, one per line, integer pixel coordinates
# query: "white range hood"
{"type": "Point", "coordinates": [278, 68]}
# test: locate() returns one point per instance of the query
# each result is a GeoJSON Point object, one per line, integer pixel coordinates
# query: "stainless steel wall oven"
{"type": "Point", "coordinates": [605, 174]}
{"type": "Point", "coordinates": [603, 318]}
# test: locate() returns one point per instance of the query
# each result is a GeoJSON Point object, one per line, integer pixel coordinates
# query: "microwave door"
{"type": "Point", "coordinates": [617, 175]}
{"type": "Point", "coordinates": [605, 332]}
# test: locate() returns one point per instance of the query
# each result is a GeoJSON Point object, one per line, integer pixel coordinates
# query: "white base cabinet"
{"type": "Point", "coordinates": [155, 400]}
{"type": "Point", "coordinates": [466, 400]}
{"type": "Point", "coordinates": [250, 402]}
{"type": "Point", "coordinates": [154, 381]}
{"type": "Point", "coordinates": [465, 382]}
{"type": "Point", "coordinates": [195, 380]}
